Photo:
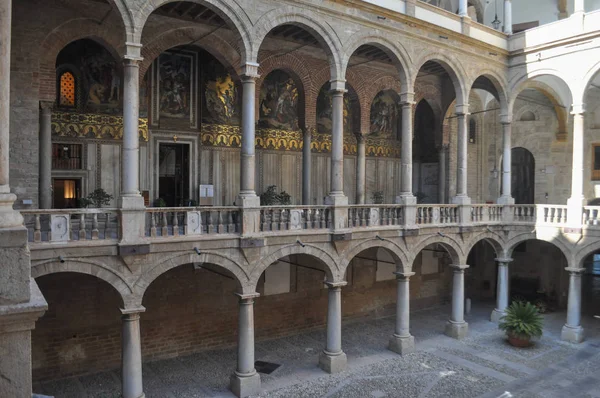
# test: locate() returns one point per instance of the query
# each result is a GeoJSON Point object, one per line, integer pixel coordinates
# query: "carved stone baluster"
{"type": "Point", "coordinates": [308, 219]}
{"type": "Point", "coordinates": [282, 219]}
{"type": "Point", "coordinates": [175, 224]}
{"type": "Point", "coordinates": [264, 223]}
{"type": "Point", "coordinates": [209, 222]}
{"type": "Point", "coordinates": [329, 218]}
{"type": "Point", "coordinates": [164, 231]}
{"type": "Point", "coordinates": [356, 218]}
{"type": "Point", "coordinates": [316, 218]}
{"type": "Point", "coordinates": [221, 227]}
{"type": "Point", "coordinates": [152, 225]}
{"type": "Point", "coordinates": [95, 232]}
{"type": "Point", "coordinates": [231, 225]}
{"type": "Point", "coordinates": [107, 227]}
{"type": "Point", "coordinates": [82, 233]}
{"type": "Point", "coordinates": [37, 232]}
{"type": "Point", "coordinates": [273, 220]}
{"type": "Point", "coordinates": [323, 218]}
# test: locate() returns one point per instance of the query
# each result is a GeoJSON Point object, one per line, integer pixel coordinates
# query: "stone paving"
{"type": "Point", "coordinates": [482, 365]}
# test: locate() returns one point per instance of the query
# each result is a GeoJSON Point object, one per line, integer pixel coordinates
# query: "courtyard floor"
{"type": "Point", "coordinates": [482, 365]}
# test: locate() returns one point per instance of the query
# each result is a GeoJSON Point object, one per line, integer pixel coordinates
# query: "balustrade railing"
{"type": "Point", "coordinates": [486, 213]}
{"type": "Point", "coordinates": [375, 215]}
{"type": "Point", "coordinates": [67, 225]}
{"type": "Point", "coordinates": [176, 221]}
{"type": "Point", "coordinates": [551, 214]}
{"type": "Point", "coordinates": [437, 214]}
{"type": "Point", "coordinates": [591, 215]}
{"type": "Point", "coordinates": [292, 218]}
{"type": "Point", "coordinates": [524, 213]}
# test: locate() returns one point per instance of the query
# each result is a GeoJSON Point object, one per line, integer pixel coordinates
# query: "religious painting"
{"type": "Point", "coordinates": [385, 115]}
{"type": "Point", "coordinates": [221, 96]}
{"type": "Point", "coordinates": [175, 79]}
{"type": "Point", "coordinates": [324, 108]}
{"type": "Point", "coordinates": [100, 75]}
{"type": "Point", "coordinates": [278, 102]}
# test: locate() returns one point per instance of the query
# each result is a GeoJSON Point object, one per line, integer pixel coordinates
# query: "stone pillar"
{"type": "Point", "coordinates": [456, 326]}
{"type": "Point", "coordinates": [508, 17]}
{"type": "Point", "coordinates": [361, 170]}
{"type": "Point", "coordinates": [462, 8]}
{"type": "Point", "coordinates": [333, 359]}
{"type": "Point", "coordinates": [131, 197]}
{"type": "Point", "coordinates": [442, 150]}
{"type": "Point", "coordinates": [245, 381]}
{"type": "Point", "coordinates": [248, 157]}
{"type": "Point", "coordinates": [336, 193]}
{"type": "Point", "coordinates": [306, 167]}
{"type": "Point", "coordinates": [576, 201]}
{"type": "Point", "coordinates": [502, 292]}
{"type": "Point", "coordinates": [461, 169]}
{"type": "Point", "coordinates": [506, 196]}
{"type": "Point", "coordinates": [406, 196]}
{"type": "Point", "coordinates": [402, 341]}
{"type": "Point", "coordinates": [572, 331]}
{"type": "Point", "coordinates": [131, 357]}
{"type": "Point", "coordinates": [579, 6]}
{"type": "Point", "coordinates": [45, 154]}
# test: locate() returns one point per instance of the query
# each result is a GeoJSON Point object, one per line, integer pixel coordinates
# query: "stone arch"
{"type": "Point", "coordinates": [225, 52]}
{"type": "Point", "coordinates": [499, 84]}
{"type": "Point", "coordinates": [308, 20]}
{"type": "Point", "coordinates": [515, 241]}
{"type": "Point", "coordinates": [87, 267]}
{"type": "Point", "coordinates": [494, 239]}
{"type": "Point", "coordinates": [583, 252]}
{"type": "Point", "coordinates": [70, 31]}
{"type": "Point", "coordinates": [590, 75]}
{"type": "Point", "coordinates": [399, 254]}
{"type": "Point", "coordinates": [454, 69]}
{"type": "Point", "coordinates": [331, 264]}
{"type": "Point", "coordinates": [452, 246]}
{"type": "Point", "coordinates": [233, 14]}
{"type": "Point", "coordinates": [396, 52]}
{"type": "Point", "coordinates": [241, 276]}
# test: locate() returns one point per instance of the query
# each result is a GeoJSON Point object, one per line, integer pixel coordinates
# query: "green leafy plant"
{"type": "Point", "coordinates": [522, 321]}
{"type": "Point", "coordinates": [160, 202]}
{"type": "Point", "coordinates": [96, 199]}
{"type": "Point", "coordinates": [271, 198]}
{"type": "Point", "coordinates": [377, 197]}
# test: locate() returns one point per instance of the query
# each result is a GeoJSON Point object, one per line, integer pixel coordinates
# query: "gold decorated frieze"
{"type": "Point", "coordinates": [90, 125]}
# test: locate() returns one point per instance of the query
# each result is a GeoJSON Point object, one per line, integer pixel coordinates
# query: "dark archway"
{"type": "Point", "coordinates": [425, 156]}
{"type": "Point", "coordinates": [523, 176]}
{"type": "Point", "coordinates": [590, 289]}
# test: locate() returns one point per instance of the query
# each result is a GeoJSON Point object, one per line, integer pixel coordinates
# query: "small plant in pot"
{"type": "Point", "coordinates": [521, 323]}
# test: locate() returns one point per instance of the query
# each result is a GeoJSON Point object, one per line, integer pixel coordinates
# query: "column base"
{"type": "Point", "coordinates": [457, 330]}
{"type": "Point", "coordinates": [252, 201]}
{"type": "Point", "coordinates": [133, 202]}
{"type": "Point", "coordinates": [333, 363]}
{"type": "Point", "coordinates": [572, 334]}
{"type": "Point", "coordinates": [505, 200]}
{"type": "Point", "coordinates": [409, 200]}
{"type": "Point", "coordinates": [336, 200]}
{"type": "Point", "coordinates": [244, 385]}
{"type": "Point", "coordinates": [461, 200]}
{"type": "Point", "coordinates": [496, 315]}
{"type": "Point", "coordinates": [402, 344]}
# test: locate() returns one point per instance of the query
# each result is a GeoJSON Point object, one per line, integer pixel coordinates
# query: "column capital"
{"type": "Point", "coordinates": [46, 105]}
{"type": "Point", "coordinates": [336, 285]}
{"type": "Point", "coordinates": [407, 97]}
{"type": "Point", "coordinates": [459, 267]}
{"type": "Point", "coordinates": [247, 296]}
{"type": "Point", "coordinates": [503, 260]}
{"type": "Point", "coordinates": [133, 310]}
{"type": "Point", "coordinates": [360, 139]}
{"type": "Point", "coordinates": [506, 119]}
{"type": "Point", "coordinates": [337, 86]}
{"type": "Point", "coordinates": [461, 109]}
{"type": "Point", "coordinates": [403, 275]}
{"type": "Point", "coordinates": [133, 51]}
{"type": "Point", "coordinates": [131, 62]}
{"type": "Point", "coordinates": [575, 271]}
{"type": "Point", "coordinates": [577, 109]}
{"type": "Point", "coordinates": [249, 70]}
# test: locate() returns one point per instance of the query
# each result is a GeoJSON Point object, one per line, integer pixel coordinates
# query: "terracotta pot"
{"type": "Point", "coordinates": [518, 342]}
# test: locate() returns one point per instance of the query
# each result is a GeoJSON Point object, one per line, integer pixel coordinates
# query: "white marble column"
{"type": "Point", "coordinates": [361, 170]}
{"type": "Point", "coordinates": [406, 161]}
{"type": "Point", "coordinates": [442, 151]}
{"type": "Point", "coordinates": [508, 17]}
{"type": "Point", "coordinates": [506, 195]}
{"type": "Point", "coordinates": [456, 326]}
{"type": "Point", "coordinates": [336, 193]}
{"type": "Point", "coordinates": [461, 197]}
{"type": "Point", "coordinates": [402, 341]}
{"type": "Point", "coordinates": [333, 359]}
{"type": "Point", "coordinates": [502, 292]}
{"type": "Point", "coordinates": [576, 201]}
{"type": "Point", "coordinates": [5, 40]}
{"type": "Point", "coordinates": [306, 167]}
{"type": "Point", "coordinates": [246, 381]}
{"type": "Point", "coordinates": [131, 197]}
{"type": "Point", "coordinates": [45, 154]}
{"type": "Point", "coordinates": [462, 8]}
{"type": "Point", "coordinates": [573, 331]}
{"type": "Point", "coordinates": [579, 6]}
{"type": "Point", "coordinates": [131, 354]}
{"type": "Point", "coordinates": [248, 158]}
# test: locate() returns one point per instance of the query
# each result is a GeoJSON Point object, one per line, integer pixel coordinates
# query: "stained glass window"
{"type": "Point", "coordinates": [67, 89]}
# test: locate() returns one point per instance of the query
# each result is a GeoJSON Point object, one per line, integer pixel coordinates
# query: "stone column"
{"type": "Point", "coordinates": [131, 197]}
{"type": "Point", "coordinates": [245, 381]}
{"type": "Point", "coordinates": [247, 173]}
{"type": "Point", "coordinates": [336, 193]}
{"type": "Point", "coordinates": [462, 8]}
{"type": "Point", "coordinates": [45, 154]}
{"type": "Point", "coordinates": [306, 167]}
{"type": "Point", "coordinates": [576, 201]}
{"type": "Point", "coordinates": [501, 290]}
{"type": "Point", "coordinates": [402, 341]}
{"type": "Point", "coordinates": [579, 6]}
{"type": "Point", "coordinates": [456, 326]}
{"type": "Point", "coordinates": [333, 359]}
{"type": "Point", "coordinates": [131, 357]}
{"type": "Point", "coordinates": [406, 196]}
{"type": "Point", "coordinates": [506, 196]}
{"type": "Point", "coordinates": [442, 150]}
{"type": "Point", "coordinates": [508, 17]}
{"type": "Point", "coordinates": [361, 170]}
{"type": "Point", "coordinates": [572, 331]}
{"type": "Point", "coordinates": [461, 169]}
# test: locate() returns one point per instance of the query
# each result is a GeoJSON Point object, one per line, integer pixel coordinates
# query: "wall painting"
{"type": "Point", "coordinates": [385, 115]}
{"type": "Point", "coordinates": [175, 76]}
{"type": "Point", "coordinates": [279, 102]}
{"type": "Point", "coordinates": [324, 108]}
{"type": "Point", "coordinates": [221, 96]}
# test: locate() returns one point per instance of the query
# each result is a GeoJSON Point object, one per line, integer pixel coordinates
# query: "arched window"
{"type": "Point", "coordinates": [472, 130]}
{"type": "Point", "coordinates": [66, 85]}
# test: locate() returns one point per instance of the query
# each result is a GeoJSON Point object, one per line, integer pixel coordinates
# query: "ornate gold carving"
{"type": "Point", "coordinates": [91, 125]}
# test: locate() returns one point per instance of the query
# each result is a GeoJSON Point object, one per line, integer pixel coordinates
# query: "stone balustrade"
{"type": "Point", "coordinates": [293, 218]}
{"type": "Point", "coordinates": [551, 214]}
{"type": "Point", "coordinates": [169, 222]}
{"type": "Point", "coordinates": [437, 214]}
{"type": "Point", "coordinates": [375, 215]}
{"type": "Point", "coordinates": [486, 213]}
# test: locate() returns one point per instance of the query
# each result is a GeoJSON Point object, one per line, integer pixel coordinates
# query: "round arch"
{"type": "Point", "coordinates": [331, 264]}
{"type": "Point", "coordinates": [494, 239]}
{"type": "Point", "coordinates": [308, 20]}
{"type": "Point", "coordinates": [587, 80]}
{"type": "Point", "coordinates": [517, 240]}
{"type": "Point", "coordinates": [454, 69]}
{"type": "Point", "coordinates": [234, 15]}
{"type": "Point", "coordinates": [452, 246]}
{"type": "Point", "coordinates": [499, 85]}
{"type": "Point", "coordinates": [397, 54]}
{"type": "Point", "coordinates": [240, 275]}
{"type": "Point", "coordinates": [399, 255]}
{"type": "Point", "coordinates": [91, 268]}
{"type": "Point", "coordinates": [583, 252]}
{"type": "Point", "coordinates": [535, 79]}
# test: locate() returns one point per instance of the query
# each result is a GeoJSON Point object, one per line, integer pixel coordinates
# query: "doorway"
{"type": "Point", "coordinates": [66, 193]}
{"type": "Point", "coordinates": [522, 176]}
{"type": "Point", "coordinates": [174, 174]}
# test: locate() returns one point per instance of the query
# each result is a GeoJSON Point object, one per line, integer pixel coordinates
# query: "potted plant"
{"type": "Point", "coordinates": [271, 198]}
{"type": "Point", "coordinates": [96, 199]}
{"type": "Point", "coordinates": [521, 323]}
{"type": "Point", "coordinates": [377, 197]}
